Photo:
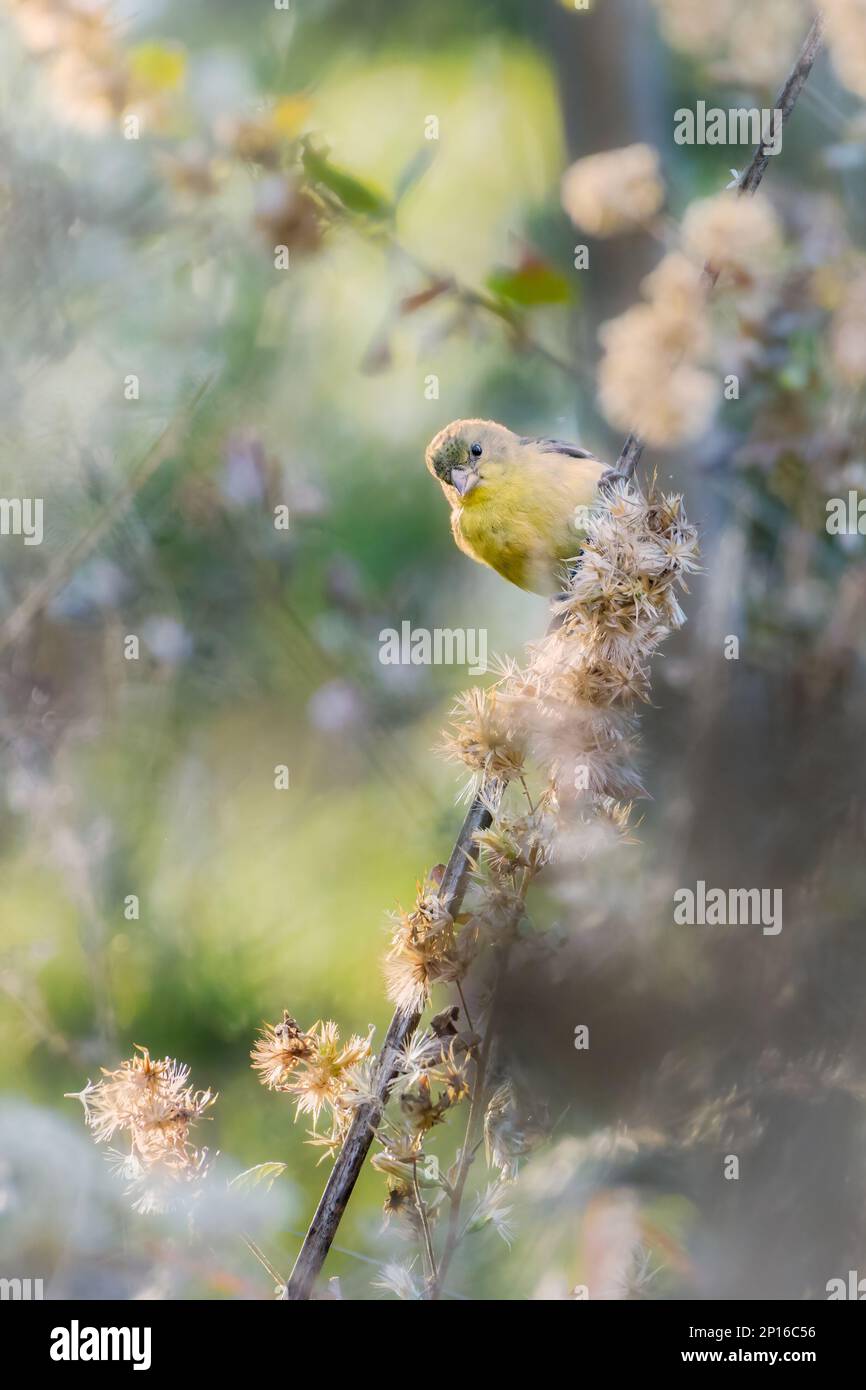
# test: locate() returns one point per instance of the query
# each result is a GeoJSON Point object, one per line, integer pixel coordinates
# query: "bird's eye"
{"type": "Point", "coordinates": [476, 451]}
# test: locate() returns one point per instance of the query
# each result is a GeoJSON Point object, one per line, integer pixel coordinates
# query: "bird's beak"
{"type": "Point", "coordinates": [463, 481]}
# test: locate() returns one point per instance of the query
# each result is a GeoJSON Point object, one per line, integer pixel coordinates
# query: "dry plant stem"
{"type": "Point", "coordinates": [465, 295]}
{"type": "Point", "coordinates": [425, 1224]}
{"type": "Point", "coordinates": [749, 182]}
{"type": "Point", "coordinates": [629, 457]}
{"type": "Point", "coordinates": [262, 1258]}
{"type": "Point", "coordinates": [350, 1159]}
{"type": "Point", "coordinates": [786, 100]}
{"type": "Point", "coordinates": [476, 1116]}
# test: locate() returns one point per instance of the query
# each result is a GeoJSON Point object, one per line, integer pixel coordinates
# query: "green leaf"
{"type": "Point", "coordinates": [265, 1173]}
{"type": "Point", "coordinates": [352, 193]}
{"type": "Point", "coordinates": [531, 284]}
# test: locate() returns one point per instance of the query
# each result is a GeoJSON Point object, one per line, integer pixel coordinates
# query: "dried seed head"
{"type": "Point", "coordinates": [322, 1076]}
{"type": "Point", "coordinates": [614, 191]}
{"type": "Point", "coordinates": [279, 1049]}
{"type": "Point", "coordinates": [150, 1102]}
{"type": "Point", "coordinates": [484, 736]}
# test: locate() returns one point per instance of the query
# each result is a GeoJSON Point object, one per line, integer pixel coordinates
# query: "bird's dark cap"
{"type": "Point", "coordinates": [447, 451]}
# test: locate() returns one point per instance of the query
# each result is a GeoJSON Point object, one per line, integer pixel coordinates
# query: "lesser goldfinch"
{"type": "Point", "coordinates": [518, 505]}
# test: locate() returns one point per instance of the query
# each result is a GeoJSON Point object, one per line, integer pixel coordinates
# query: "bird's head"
{"type": "Point", "coordinates": [469, 454]}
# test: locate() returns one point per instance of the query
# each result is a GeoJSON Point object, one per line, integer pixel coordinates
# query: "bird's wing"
{"type": "Point", "coordinates": [559, 446]}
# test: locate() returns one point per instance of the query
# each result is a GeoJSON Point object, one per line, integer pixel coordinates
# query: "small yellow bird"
{"type": "Point", "coordinates": [518, 505]}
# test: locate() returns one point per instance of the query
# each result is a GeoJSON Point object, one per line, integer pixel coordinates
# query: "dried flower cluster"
{"type": "Point", "coordinates": [649, 376]}
{"type": "Point", "coordinates": [434, 1078]}
{"type": "Point", "coordinates": [94, 82]}
{"type": "Point", "coordinates": [512, 1130]}
{"type": "Point", "coordinates": [320, 1071]}
{"type": "Point", "coordinates": [90, 78]}
{"type": "Point", "coordinates": [738, 237]}
{"type": "Point", "coordinates": [846, 38]}
{"type": "Point", "coordinates": [570, 706]}
{"type": "Point", "coordinates": [752, 44]}
{"type": "Point", "coordinates": [653, 376]}
{"type": "Point", "coordinates": [848, 329]}
{"type": "Point", "coordinates": [85, 71]}
{"type": "Point", "coordinates": [592, 671]}
{"type": "Point", "coordinates": [615, 191]}
{"type": "Point", "coordinates": [569, 712]}
{"type": "Point", "coordinates": [483, 738]}
{"type": "Point", "coordinates": [427, 947]}
{"type": "Point", "coordinates": [151, 1102]}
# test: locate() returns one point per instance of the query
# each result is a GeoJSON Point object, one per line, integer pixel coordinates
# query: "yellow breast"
{"type": "Point", "coordinates": [526, 524]}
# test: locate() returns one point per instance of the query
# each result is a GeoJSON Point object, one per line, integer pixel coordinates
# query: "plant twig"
{"type": "Point", "coordinates": [350, 1160]}
{"type": "Point", "coordinates": [464, 294]}
{"type": "Point", "coordinates": [786, 101]}
{"type": "Point", "coordinates": [476, 1116]}
{"type": "Point", "coordinates": [748, 184]}
{"type": "Point", "coordinates": [425, 1224]}
{"type": "Point", "coordinates": [263, 1260]}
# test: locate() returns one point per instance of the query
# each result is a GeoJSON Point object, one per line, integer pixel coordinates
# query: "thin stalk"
{"type": "Point", "coordinates": [476, 1115]}
{"type": "Point", "coordinates": [466, 1012]}
{"type": "Point", "coordinates": [748, 184]}
{"type": "Point", "coordinates": [263, 1260]}
{"type": "Point", "coordinates": [351, 1157]}
{"type": "Point", "coordinates": [425, 1224]}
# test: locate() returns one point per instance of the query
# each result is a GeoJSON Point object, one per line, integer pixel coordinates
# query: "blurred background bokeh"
{"type": "Point", "coordinates": [427, 279]}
